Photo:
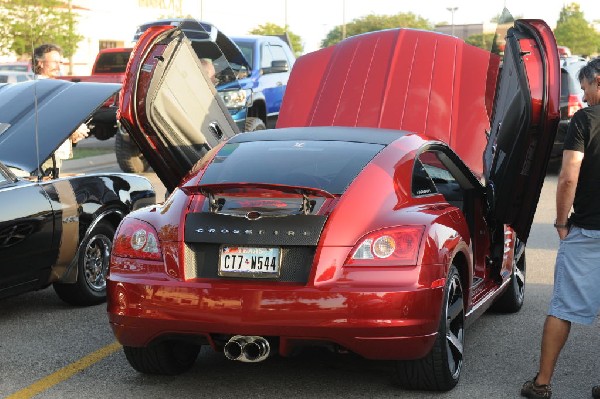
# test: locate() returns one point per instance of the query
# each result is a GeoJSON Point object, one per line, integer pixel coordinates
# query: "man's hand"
{"type": "Point", "coordinates": [81, 133]}
{"type": "Point", "coordinates": [562, 232]}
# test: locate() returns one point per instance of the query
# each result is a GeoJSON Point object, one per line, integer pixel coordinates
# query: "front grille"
{"type": "Point", "coordinates": [202, 261]}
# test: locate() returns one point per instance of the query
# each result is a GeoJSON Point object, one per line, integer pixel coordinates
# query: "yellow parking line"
{"type": "Point", "coordinates": [65, 372]}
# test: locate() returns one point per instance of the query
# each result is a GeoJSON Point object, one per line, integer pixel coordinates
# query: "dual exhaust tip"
{"type": "Point", "coordinates": [247, 348]}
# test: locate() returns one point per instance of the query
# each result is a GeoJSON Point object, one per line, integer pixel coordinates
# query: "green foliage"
{"type": "Point", "coordinates": [573, 31]}
{"type": "Point", "coordinates": [484, 41]}
{"type": "Point", "coordinates": [273, 29]}
{"type": "Point", "coordinates": [372, 22]}
{"type": "Point", "coordinates": [25, 24]}
{"type": "Point", "coordinates": [505, 17]}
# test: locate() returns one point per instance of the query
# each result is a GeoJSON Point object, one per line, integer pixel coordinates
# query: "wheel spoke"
{"type": "Point", "coordinates": [520, 276]}
{"type": "Point", "coordinates": [455, 343]}
{"type": "Point", "coordinates": [454, 310]}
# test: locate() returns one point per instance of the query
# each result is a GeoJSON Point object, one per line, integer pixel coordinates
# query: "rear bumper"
{"type": "Point", "coordinates": [375, 325]}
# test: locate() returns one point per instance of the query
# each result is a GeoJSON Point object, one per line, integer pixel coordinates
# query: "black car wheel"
{"type": "Point", "coordinates": [253, 124]}
{"type": "Point", "coordinates": [512, 299]}
{"type": "Point", "coordinates": [440, 369]}
{"type": "Point", "coordinates": [92, 267]}
{"type": "Point", "coordinates": [166, 358]}
{"type": "Point", "coordinates": [129, 156]}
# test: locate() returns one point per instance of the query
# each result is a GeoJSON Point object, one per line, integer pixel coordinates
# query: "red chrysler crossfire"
{"type": "Point", "coordinates": [388, 210]}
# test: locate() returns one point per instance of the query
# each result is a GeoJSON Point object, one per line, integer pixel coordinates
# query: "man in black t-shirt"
{"type": "Point", "coordinates": [576, 296]}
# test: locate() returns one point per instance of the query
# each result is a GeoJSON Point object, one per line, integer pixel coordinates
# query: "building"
{"type": "Point", "coordinates": [112, 23]}
{"type": "Point", "coordinates": [463, 31]}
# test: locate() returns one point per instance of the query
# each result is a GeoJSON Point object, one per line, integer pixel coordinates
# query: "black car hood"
{"type": "Point", "coordinates": [36, 117]}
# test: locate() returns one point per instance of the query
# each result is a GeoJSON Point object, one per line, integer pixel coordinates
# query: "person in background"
{"type": "Point", "coordinates": [46, 63]}
{"type": "Point", "coordinates": [209, 68]}
{"type": "Point", "coordinates": [576, 298]}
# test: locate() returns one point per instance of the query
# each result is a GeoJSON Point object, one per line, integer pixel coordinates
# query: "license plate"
{"type": "Point", "coordinates": [249, 262]}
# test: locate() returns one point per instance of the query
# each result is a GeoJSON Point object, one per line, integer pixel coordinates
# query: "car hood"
{"type": "Point", "coordinates": [36, 117]}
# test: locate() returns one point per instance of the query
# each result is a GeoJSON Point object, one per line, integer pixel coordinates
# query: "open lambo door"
{"type": "Point", "coordinates": [169, 104]}
{"type": "Point", "coordinates": [524, 121]}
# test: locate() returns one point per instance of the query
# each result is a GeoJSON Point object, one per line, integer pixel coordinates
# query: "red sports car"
{"type": "Point", "coordinates": [388, 210]}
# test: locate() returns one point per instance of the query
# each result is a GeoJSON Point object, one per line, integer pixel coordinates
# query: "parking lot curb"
{"type": "Point", "coordinates": [88, 163]}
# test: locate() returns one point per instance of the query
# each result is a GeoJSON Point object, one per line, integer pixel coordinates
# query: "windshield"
{"type": "Point", "coordinates": [326, 165]}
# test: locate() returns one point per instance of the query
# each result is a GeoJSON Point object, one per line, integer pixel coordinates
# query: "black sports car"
{"type": "Point", "coordinates": [57, 230]}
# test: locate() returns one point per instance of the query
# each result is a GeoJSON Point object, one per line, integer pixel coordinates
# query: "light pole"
{"type": "Point", "coordinates": [452, 10]}
{"type": "Point", "coordinates": [285, 28]}
{"type": "Point", "coordinates": [343, 19]}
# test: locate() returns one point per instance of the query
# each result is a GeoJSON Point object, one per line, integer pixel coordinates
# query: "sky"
{"type": "Point", "coordinates": [312, 19]}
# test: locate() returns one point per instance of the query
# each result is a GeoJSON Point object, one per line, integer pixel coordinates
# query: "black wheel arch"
{"type": "Point", "coordinates": [111, 216]}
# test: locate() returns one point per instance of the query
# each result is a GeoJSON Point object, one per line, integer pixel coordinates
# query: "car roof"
{"type": "Point", "coordinates": [323, 133]}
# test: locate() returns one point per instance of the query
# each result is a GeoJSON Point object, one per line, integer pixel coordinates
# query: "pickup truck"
{"type": "Point", "coordinates": [109, 67]}
{"type": "Point", "coordinates": [253, 99]}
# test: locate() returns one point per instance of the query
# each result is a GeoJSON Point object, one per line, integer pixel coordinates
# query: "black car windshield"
{"type": "Point", "coordinates": [326, 165]}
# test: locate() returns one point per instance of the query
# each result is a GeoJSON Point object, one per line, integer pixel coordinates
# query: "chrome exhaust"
{"type": "Point", "coordinates": [247, 348]}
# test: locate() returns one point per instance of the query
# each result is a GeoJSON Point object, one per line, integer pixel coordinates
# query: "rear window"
{"type": "Point", "coordinates": [15, 67]}
{"type": "Point", "coordinates": [112, 62]}
{"type": "Point", "coordinates": [326, 165]}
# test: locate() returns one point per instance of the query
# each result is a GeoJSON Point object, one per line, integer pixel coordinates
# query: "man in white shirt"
{"type": "Point", "coordinates": [46, 63]}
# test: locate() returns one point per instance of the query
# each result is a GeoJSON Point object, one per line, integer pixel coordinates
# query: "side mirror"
{"type": "Point", "coordinates": [279, 66]}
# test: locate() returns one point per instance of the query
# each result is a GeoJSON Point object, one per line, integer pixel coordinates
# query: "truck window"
{"type": "Point", "coordinates": [112, 62]}
{"type": "Point", "coordinates": [278, 53]}
{"type": "Point", "coordinates": [266, 57]}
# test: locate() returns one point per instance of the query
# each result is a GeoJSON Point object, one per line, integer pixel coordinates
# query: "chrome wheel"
{"type": "Point", "coordinates": [96, 258]}
{"type": "Point", "coordinates": [92, 268]}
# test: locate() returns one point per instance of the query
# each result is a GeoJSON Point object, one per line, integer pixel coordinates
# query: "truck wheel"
{"type": "Point", "coordinates": [92, 267]}
{"type": "Point", "coordinates": [166, 357]}
{"type": "Point", "coordinates": [129, 157]}
{"type": "Point", "coordinates": [103, 131]}
{"type": "Point", "coordinates": [253, 124]}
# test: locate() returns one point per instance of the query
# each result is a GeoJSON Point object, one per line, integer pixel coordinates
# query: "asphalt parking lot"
{"type": "Point", "coordinates": [52, 350]}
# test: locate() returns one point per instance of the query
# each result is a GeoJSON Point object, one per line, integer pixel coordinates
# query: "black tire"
{"type": "Point", "coordinates": [103, 131]}
{"type": "Point", "coordinates": [92, 267]}
{"type": "Point", "coordinates": [253, 124]}
{"type": "Point", "coordinates": [512, 299]}
{"type": "Point", "coordinates": [440, 369]}
{"type": "Point", "coordinates": [129, 156]}
{"type": "Point", "coordinates": [166, 358]}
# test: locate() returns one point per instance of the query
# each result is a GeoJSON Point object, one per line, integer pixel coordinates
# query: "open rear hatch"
{"type": "Point", "coordinates": [169, 104]}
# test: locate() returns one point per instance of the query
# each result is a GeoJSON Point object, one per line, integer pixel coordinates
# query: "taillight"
{"type": "Point", "coordinates": [396, 246]}
{"type": "Point", "coordinates": [137, 239]}
{"type": "Point", "coordinates": [573, 105]}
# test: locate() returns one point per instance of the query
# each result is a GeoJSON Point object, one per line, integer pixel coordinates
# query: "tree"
{"type": "Point", "coordinates": [25, 24]}
{"type": "Point", "coordinates": [372, 22]}
{"type": "Point", "coordinates": [573, 31]}
{"type": "Point", "coordinates": [504, 17]}
{"type": "Point", "coordinates": [273, 29]}
{"type": "Point", "coordinates": [482, 40]}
